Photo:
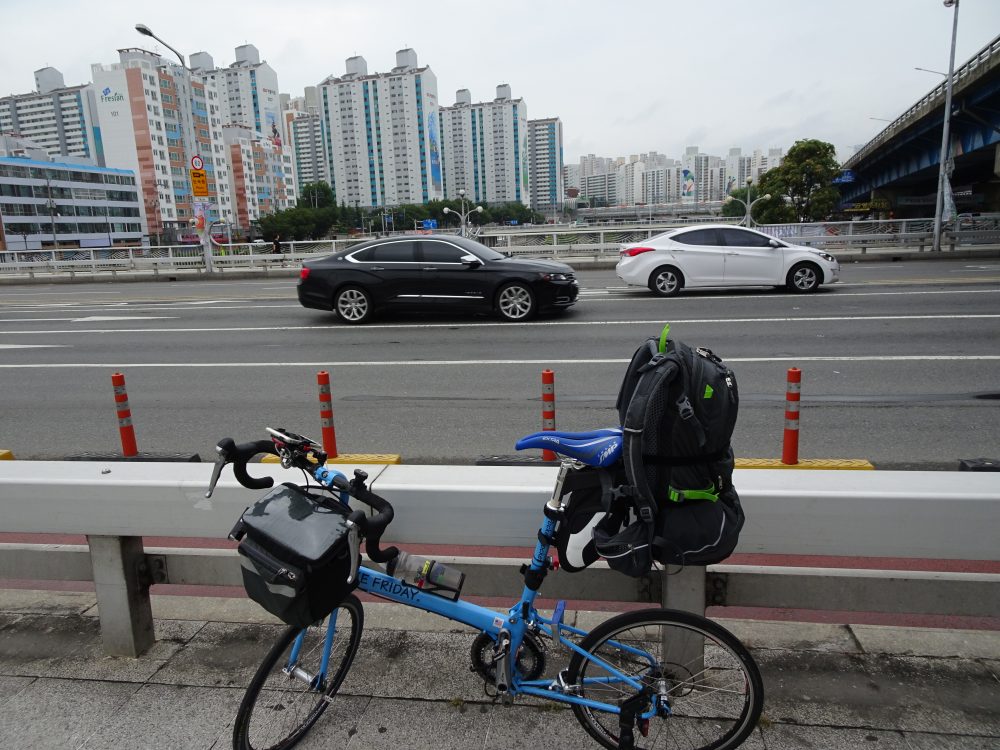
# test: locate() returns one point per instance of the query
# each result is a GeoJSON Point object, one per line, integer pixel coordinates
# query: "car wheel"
{"type": "Point", "coordinates": [804, 277]}
{"type": "Point", "coordinates": [353, 305]}
{"type": "Point", "coordinates": [515, 302]}
{"type": "Point", "coordinates": [666, 281]}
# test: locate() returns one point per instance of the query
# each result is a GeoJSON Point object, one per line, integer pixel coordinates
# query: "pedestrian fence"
{"type": "Point", "coordinates": [554, 241]}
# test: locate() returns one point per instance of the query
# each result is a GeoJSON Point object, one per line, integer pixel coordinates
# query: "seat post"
{"type": "Point", "coordinates": [555, 502]}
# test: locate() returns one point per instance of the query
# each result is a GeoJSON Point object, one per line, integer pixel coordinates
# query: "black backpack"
{"type": "Point", "coordinates": [678, 409]}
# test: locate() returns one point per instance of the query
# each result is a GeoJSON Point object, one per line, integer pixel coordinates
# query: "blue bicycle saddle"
{"type": "Point", "coordinates": [599, 448]}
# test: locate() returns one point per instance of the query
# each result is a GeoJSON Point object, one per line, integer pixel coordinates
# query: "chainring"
{"type": "Point", "coordinates": [530, 658]}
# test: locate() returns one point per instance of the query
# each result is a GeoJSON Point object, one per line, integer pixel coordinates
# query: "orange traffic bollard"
{"type": "Point", "coordinates": [790, 448]}
{"type": "Point", "coordinates": [125, 428]}
{"type": "Point", "coordinates": [326, 414]}
{"type": "Point", "coordinates": [548, 408]}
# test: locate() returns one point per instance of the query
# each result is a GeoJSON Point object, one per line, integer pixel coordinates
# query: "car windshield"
{"type": "Point", "coordinates": [486, 253]}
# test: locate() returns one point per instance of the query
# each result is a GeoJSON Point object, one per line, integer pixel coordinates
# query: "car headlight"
{"type": "Point", "coordinates": [554, 276]}
{"type": "Point", "coordinates": [827, 257]}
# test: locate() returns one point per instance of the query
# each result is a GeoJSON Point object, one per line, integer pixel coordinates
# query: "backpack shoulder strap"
{"type": "Point", "coordinates": [656, 374]}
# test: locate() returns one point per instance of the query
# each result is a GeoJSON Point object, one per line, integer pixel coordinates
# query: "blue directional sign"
{"type": "Point", "coordinates": [844, 177]}
{"type": "Point", "coordinates": [430, 223]}
{"type": "Point", "coordinates": [513, 222]}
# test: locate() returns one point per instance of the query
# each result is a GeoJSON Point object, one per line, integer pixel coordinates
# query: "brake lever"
{"type": "Point", "coordinates": [354, 545]}
{"type": "Point", "coordinates": [223, 450]}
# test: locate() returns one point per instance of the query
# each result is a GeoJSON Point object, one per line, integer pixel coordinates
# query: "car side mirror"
{"type": "Point", "coordinates": [471, 261]}
{"type": "Point", "coordinates": [774, 243]}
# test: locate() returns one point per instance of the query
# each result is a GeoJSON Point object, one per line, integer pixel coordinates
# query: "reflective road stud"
{"type": "Point", "coordinates": [326, 414]}
{"type": "Point", "coordinates": [548, 408]}
{"type": "Point", "coordinates": [790, 448]}
{"type": "Point", "coordinates": [125, 428]}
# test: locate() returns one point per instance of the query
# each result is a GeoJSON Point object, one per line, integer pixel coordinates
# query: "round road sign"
{"type": "Point", "coordinates": [197, 162]}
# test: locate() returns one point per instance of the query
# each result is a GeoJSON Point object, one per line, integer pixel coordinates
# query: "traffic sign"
{"type": "Point", "coordinates": [197, 162]}
{"type": "Point", "coordinates": [430, 224]}
{"type": "Point", "coordinates": [199, 183]}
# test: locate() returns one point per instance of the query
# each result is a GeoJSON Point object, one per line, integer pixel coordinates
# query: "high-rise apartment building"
{"type": "Point", "coordinates": [486, 148]}
{"type": "Point", "coordinates": [59, 118]}
{"type": "Point", "coordinates": [307, 144]}
{"type": "Point", "coordinates": [248, 91]}
{"type": "Point", "coordinates": [258, 180]}
{"type": "Point", "coordinates": [155, 116]}
{"type": "Point", "coordinates": [382, 133]}
{"type": "Point", "coordinates": [545, 165]}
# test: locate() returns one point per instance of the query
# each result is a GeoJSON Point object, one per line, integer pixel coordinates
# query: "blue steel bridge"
{"type": "Point", "coordinates": [897, 171]}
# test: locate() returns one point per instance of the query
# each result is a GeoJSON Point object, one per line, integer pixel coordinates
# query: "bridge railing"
{"type": "Point", "coordinates": [555, 241]}
{"type": "Point", "coordinates": [978, 64]}
{"type": "Point", "coordinates": [932, 515]}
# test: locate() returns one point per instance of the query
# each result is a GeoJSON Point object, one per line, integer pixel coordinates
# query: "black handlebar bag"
{"type": "Point", "coordinates": [295, 554]}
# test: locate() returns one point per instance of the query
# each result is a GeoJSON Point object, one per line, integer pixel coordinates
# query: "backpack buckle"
{"type": "Point", "coordinates": [684, 407]}
{"type": "Point", "coordinates": [646, 514]}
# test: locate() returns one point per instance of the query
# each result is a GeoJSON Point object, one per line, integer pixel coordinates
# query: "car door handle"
{"type": "Point", "coordinates": [377, 268]}
{"type": "Point", "coordinates": [732, 253]}
{"type": "Point", "coordinates": [430, 268]}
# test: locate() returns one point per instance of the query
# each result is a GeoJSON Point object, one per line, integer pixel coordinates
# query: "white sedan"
{"type": "Point", "coordinates": [712, 255]}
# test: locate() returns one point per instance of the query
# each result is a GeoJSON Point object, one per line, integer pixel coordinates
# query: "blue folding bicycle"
{"type": "Point", "coordinates": [651, 678]}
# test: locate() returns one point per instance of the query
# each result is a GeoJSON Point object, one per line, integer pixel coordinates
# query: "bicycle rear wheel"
{"type": "Point", "coordinates": [710, 694]}
{"type": "Point", "coordinates": [286, 696]}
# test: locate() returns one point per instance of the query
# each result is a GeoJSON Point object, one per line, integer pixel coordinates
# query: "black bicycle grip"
{"type": "Point", "coordinates": [376, 525]}
{"type": "Point", "coordinates": [241, 454]}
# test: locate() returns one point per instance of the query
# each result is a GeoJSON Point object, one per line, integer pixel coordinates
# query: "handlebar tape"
{"type": "Point", "coordinates": [376, 525]}
{"type": "Point", "coordinates": [240, 454]}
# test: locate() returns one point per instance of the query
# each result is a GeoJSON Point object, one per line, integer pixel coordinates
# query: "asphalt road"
{"type": "Point", "coordinates": [900, 361]}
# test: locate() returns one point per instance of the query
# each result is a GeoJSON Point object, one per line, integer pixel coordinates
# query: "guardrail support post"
{"type": "Point", "coordinates": [122, 594]}
{"type": "Point", "coordinates": [684, 590]}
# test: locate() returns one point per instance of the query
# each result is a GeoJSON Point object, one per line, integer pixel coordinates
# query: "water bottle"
{"type": "Point", "coordinates": [427, 575]}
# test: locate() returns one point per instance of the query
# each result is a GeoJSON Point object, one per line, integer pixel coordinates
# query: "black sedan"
{"type": "Point", "coordinates": [433, 272]}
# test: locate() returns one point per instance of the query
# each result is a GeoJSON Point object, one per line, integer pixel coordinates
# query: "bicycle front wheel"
{"type": "Point", "coordinates": [706, 687]}
{"type": "Point", "coordinates": [290, 691]}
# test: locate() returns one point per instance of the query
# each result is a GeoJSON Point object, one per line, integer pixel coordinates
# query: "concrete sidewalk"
{"type": "Point", "coordinates": [826, 686]}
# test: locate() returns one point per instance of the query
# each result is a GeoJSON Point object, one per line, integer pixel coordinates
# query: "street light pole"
{"type": "Point", "coordinates": [463, 215]}
{"type": "Point", "coordinates": [52, 210]}
{"type": "Point", "coordinates": [206, 237]}
{"type": "Point", "coordinates": [945, 134]}
{"type": "Point", "coordinates": [748, 204]}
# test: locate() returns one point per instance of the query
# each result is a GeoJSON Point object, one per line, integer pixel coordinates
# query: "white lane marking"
{"type": "Point", "coordinates": [546, 324]}
{"type": "Point", "coordinates": [638, 296]}
{"type": "Point", "coordinates": [33, 346]}
{"type": "Point", "coordinates": [91, 319]}
{"type": "Point", "coordinates": [104, 318]}
{"type": "Point", "coordinates": [494, 362]}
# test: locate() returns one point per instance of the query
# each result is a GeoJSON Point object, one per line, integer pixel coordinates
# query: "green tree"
{"type": "Point", "coordinates": [801, 186]}
{"type": "Point", "coordinates": [316, 195]}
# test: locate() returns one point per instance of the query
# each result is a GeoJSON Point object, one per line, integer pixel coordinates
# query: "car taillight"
{"type": "Point", "coordinates": [304, 273]}
{"type": "Point", "coordinates": [631, 252]}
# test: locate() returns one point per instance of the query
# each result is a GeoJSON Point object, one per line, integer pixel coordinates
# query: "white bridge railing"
{"type": "Point", "coordinates": [551, 241]}
{"type": "Point", "coordinates": [935, 515]}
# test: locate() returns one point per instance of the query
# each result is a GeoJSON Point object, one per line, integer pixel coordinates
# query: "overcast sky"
{"type": "Point", "coordinates": [625, 77]}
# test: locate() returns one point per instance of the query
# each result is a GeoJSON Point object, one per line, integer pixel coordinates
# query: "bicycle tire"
{"type": "Point", "coordinates": [715, 707]}
{"type": "Point", "coordinates": [292, 705]}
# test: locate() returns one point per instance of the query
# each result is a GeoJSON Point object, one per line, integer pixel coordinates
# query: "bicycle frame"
{"type": "Point", "coordinates": [517, 621]}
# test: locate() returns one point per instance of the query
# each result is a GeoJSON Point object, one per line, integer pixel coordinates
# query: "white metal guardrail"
{"type": "Point", "coordinates": [553, 241]}
{"type": "Point", "coordinates": [883, 514]}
